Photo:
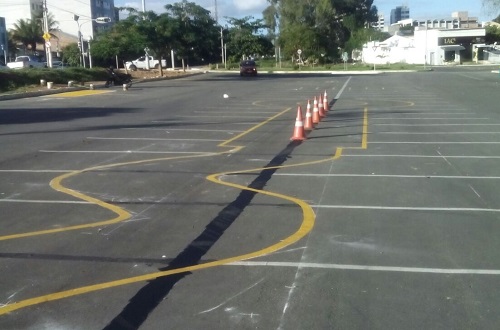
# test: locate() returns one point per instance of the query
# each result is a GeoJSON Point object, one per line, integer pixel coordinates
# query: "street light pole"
{"type": "Point", "coordinates": [100, 20]}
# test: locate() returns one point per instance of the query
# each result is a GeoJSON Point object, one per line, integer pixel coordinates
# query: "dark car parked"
{"type": "Point", "coordinates": [248, 68]}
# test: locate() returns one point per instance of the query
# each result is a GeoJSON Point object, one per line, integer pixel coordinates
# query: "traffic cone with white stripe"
{"type": "Point", "coordinates": [320, 107]}
{"type": "Point", "coordinates": [315, 115]}
{"type": "Point", "coordinates": [326, 106]}
{"type": "Point", "coordinates": [298, 131]}
{"type": "Point", "coordinates": [308, 122]}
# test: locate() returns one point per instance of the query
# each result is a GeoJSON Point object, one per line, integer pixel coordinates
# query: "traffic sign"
{"type": "Point", "coordinates": [46, 36]}
{"type": "Point", "coordinates": [47, 44]}
{"type": "Point", "coordinates": [299, 51]}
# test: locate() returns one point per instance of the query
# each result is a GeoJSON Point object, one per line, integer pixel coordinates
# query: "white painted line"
{"type": "Point", "coordinates": [420, 118]}
{"type": "Point", "coordinates": [342, 89]}
{"type": "Point", "coordinates": [153, 139]}
{"type": "Point", "coordinates": [424, 156]}
{"type": "Point", "coordinates": [427, 125]}
{"type": "Point", "coordinates": [432, 133]}
{"type": "Point", "coordinates": [36, 171]}
{"type": "Point", "coordinates": [433, 142]}
{"type": "Point", "coordinates": [381, 113]}
{"type": "Point", "coordinates": [452, 271]}
{"type": "Point", "coordinates": [185, 130]}
{"type": "Point", "coordinates": [225, 116]}
{"type": "Point", "coordinates": [125, 152]}
{"type": "Point", "coordinates": [232, 112]}
{"type": "Point", "coordinates": [41, 201]}
{"type": "Point", "coordinates": [389, 176]}
{"type": "Point", "coordinates": [404, 208]}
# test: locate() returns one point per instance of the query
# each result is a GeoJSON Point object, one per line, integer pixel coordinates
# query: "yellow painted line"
{"type": "Point", "coordinates": [79, 93]}
{"type": "Point", "coordinates": [305, 227]}
{"type": "Point", "coordinates": [122, 215]}
{"type": "Point", "coordinates": [364, 139]}
{"type": "Point", "coordinates": [225, 143]}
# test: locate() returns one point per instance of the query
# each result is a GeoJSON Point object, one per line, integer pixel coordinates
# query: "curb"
{"type": "Point", "coordinates": [60, 90]}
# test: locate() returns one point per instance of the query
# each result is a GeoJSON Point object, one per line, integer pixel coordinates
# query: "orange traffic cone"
{"type": "Point", "coordinates": [315, 115]}
{"type": "Point", "coordinates": [325, 103]}
{"type": "Point", "coordinates": [308, 123]}
{"type": "Point", "coordinates": [298, 131]}
{"type": "Point", "coordinates": [320, 107]}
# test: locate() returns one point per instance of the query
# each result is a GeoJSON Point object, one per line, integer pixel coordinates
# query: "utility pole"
{"type": "Point", "coordinates": [143, 6]}
{"type": "Point", "coordinates": [46, 35]}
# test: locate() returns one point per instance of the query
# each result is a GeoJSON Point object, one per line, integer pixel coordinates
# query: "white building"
{"type": "Point", "coordinates": [63, 12]}
{"type": "Point", "coordinates": [19, 9]}
{"type": "Point", "coordinates": [426, 46]}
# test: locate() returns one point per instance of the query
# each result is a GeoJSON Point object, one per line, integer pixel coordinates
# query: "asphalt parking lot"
{"type": "Point", "coordinates": [183, 204]}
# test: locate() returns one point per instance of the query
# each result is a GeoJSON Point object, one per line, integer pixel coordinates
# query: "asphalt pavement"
{"type": "Point", "coordinates": [184, 204]}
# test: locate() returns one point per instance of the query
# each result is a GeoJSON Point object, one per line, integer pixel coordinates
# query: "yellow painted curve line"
{"type": "Point", "coordinates": [305, 227]}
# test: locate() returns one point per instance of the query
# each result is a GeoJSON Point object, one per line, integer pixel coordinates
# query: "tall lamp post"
{"type": "Point", "coordinates": [100, 20]}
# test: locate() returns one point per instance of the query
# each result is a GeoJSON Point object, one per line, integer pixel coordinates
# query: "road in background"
{"type": "Point", "coordinates": [183, 204]}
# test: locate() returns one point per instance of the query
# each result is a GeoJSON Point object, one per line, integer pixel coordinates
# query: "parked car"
{"type": "Point", "coordinates": [141, 63]}
{"type": "Point", "coordinates": [248, 67]}
{"type": "Point", "coordinates": [27, 61]}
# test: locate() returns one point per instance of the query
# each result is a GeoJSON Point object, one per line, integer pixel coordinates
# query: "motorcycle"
{"type": "Point", "coordinates": [118, 79]}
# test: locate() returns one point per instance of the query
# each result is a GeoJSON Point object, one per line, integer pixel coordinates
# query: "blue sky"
{"type": "Point", "coordinates": [419, 9]}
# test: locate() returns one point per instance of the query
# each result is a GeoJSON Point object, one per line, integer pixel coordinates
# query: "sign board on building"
{"type": "Point", "coordinates": [447, 41]}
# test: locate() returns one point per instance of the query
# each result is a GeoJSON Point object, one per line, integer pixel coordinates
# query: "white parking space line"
{"type": "Point", "coordinates": [390, 176]}
{"type": "Point", "coordinates": [431, 142]}
{"type": "Point", "coordinates": [124, 152]}
{"type": "Point", "coordinates": [366, 268]}
{"type": "Point", "coordinates": [153, 139]}
{"type": "Point", "coordinates": [185, 130]}
{"type": "Point", "coordinates": [36, 171]}
{"type": "Point", "coordinates": [423, 118]}
{"type": "Point", "coordinates": [405, 208]}
{"type": "Point", "coordinates": [37, 201]}
{"type": "Point", "coordinates": [424, 156]}
{"type": "Point", "coordinates": [427, 125]}
{"type": "Point", "coordinates": [432, 133]}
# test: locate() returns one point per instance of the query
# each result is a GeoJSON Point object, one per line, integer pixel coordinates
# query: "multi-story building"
{"type": "Point", "coordinates": [380, 23]}
{"type": "Point", "coordinates": [74, 16]}
{"type": "Point", "coordinates": [458, 20]}
{"type": "Point", "coordinates": [13, 11]}
{"type": "Point", "coordinates": [399, 13]}
{"type": "Point", "coordinates": [4, 45]}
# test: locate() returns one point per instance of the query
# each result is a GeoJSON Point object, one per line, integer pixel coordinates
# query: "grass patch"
{"type": "Point", "coordinates": [11, 80]}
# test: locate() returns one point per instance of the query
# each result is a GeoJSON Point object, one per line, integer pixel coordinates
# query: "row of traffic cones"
{"type": "Point", "coordinates": [312, 118]}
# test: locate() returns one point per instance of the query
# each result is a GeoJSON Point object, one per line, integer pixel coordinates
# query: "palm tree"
{"type": "Point", "coordinates": [27, 32]}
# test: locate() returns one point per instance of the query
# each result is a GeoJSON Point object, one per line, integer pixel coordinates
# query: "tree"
{"type": "Point", "coordinates": [123, 40]}
{"type": "Point", "coordinates": [244, 39]}
{"type": "Point", "coordinates": [28, 33]}
{"type": "Point", "coordinates": [195, 35]}
{"type": "Point", "coordinates": [492, 5]}
{"type": "Point", "coordinates": [321, 27]}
